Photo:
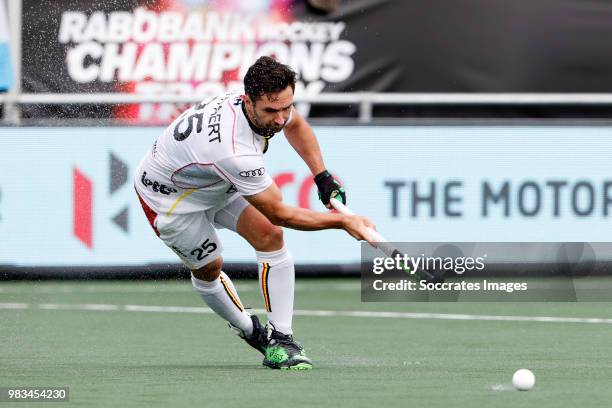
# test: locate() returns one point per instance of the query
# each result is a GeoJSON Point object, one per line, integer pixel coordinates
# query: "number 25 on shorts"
{"type": "Point", "coordinates": [205, 249]}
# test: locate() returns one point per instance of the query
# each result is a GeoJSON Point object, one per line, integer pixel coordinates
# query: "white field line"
{"type": "Point", "coordinates": [315, 313]}
{"type": "Point", "coordinates": [186, 288]}
{"type": "Point", "coordinates": [14, 306]}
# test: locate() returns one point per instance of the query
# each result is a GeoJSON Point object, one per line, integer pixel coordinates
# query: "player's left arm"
{"type": "Point", "coordinates": [303, 140]}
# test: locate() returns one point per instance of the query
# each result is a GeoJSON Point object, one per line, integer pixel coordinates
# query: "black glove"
{"type": "Point", "coordinates": [329, 188]}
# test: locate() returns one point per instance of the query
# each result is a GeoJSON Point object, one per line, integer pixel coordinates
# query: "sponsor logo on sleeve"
{"type": "Point", "coordinates": [253, 173]}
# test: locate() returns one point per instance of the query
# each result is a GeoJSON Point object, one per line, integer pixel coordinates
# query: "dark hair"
{"type": "Point", "coordinates": [267, 76]}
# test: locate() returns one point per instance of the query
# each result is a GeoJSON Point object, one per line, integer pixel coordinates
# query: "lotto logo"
{"type": "Point", "coordinates": [156, 185]}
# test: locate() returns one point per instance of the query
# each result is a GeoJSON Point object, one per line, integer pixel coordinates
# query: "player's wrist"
{"type": "Point", "coordinates": [329, 187]}
{"type": "Point", "coordinates": [344, 221]}
{"type": "Point", "coordinates": [321, 176]}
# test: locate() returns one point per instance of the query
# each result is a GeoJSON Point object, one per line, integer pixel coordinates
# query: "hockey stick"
{"type": "Point", "coordinates": [381, 243]}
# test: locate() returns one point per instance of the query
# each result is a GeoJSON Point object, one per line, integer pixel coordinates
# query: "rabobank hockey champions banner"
{"type": "Point", "coordinates": [67, 196]}
{"type": "Point", "coordinates": [205, 46]}
{"type": "Point", "coordinates": [178, 47]}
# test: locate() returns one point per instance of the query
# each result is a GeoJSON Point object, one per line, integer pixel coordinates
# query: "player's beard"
{"type": "Point", "coordinates": [272, 128]}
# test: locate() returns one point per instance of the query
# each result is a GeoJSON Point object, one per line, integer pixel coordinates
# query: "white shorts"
{"type": "Point", "coordinates": [192, 236]}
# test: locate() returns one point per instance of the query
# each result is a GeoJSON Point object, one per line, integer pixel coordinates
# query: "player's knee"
{"type": "Point", "coordinates": [210, 271]}
{"type": "Point", "coordinates": [270, 239]}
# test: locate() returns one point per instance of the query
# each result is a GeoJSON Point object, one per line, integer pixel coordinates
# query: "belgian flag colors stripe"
{"type": "Point", "coordinates": [264, 285]}
{"type": "Point", "coordinates": [231, 294]}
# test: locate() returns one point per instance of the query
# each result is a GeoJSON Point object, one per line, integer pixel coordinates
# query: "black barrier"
{"type": "Point", "coordinates": [249, 270]}
{"type": "Point", "coordinates": [163, 271]}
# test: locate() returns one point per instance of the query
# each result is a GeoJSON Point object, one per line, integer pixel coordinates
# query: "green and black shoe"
{"type": "Point", "coordinates": [282, 352]}
{"type": "Point", "coordinates": [258, 339]}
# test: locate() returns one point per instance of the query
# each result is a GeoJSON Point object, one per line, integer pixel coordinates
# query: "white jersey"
{"type": "Point", "coordinates": [206, 157]}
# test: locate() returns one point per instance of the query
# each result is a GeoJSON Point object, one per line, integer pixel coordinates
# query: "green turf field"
{"type": "Point", "coordinates": [109, 343]}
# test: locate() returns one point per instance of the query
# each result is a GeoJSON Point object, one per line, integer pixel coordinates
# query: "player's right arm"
{"type": "Point", "coordinates": [269, 202]}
